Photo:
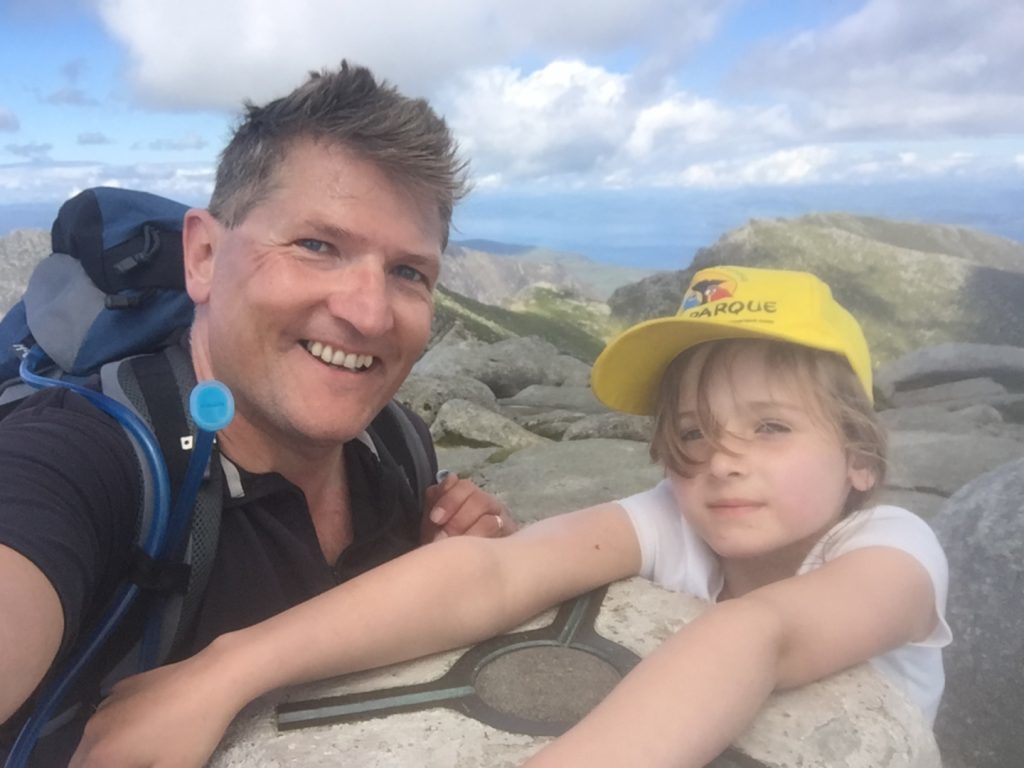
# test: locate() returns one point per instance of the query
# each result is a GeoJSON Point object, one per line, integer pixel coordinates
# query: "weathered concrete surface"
{"type": "Point", "coordinates": [852, 720]}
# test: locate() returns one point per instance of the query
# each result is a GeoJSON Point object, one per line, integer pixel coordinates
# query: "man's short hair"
{"type": "Point", "coordinates": [347, 107]}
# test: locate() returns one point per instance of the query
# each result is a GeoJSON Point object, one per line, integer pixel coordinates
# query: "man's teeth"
{"type": "Point", "coordinates": [339, 357]}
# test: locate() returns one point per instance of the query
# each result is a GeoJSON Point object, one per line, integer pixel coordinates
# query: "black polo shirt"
{"type": "Point", "coordinates": [69, 490]}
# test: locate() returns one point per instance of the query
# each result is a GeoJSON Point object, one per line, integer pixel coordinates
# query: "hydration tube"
{"type": "Point", "coordinates": [211, 407]}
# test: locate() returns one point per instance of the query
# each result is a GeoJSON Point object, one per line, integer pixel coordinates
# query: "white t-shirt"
{"type": "Point", "coordinates": [675, 557]}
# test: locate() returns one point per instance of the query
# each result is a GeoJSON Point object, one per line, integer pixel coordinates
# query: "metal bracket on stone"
{"type": "Point", "coordinates": [537, 682]}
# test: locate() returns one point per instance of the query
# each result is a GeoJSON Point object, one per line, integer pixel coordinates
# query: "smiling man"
{"type": "Point", "coordinates": [312, 273]}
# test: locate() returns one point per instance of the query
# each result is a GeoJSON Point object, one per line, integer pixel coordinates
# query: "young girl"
{"type": "Point", "coordinates": [760, 389]}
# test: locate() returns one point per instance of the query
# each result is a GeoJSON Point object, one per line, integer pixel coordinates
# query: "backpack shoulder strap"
{"type": "Point", "coordinates": [408, 439]}
{"type": "Point", "coordinates": [157, 387]}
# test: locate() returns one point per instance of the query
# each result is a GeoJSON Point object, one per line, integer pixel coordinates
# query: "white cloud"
{"type": "Point", "coordinates": [47, 181]}
{"type": "Point", "coordinates": [562, 119]}
{"type": "Point", "coordinates": [901, 68]}
{"type": "Point", "coordinates": [597, 100]}
{"type": "Point", "coordinates": [800, 165]}
{"type": "Point", "coordinates": [264, 48]}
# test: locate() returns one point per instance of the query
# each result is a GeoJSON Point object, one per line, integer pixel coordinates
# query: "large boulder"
{"type": "Point", "coordinates": [546, 397]}
{"type": "Point", "coordinates": [551, 424]}
{"type": "Point", "coordinates": [460, 422]}
{"type": "Point", "coordinates": [550, 478]}
{"type": "Point", "coordinates": [506, 366]}
{"type": "Point", "coordinates": [546, 673]}
{"type": "Point", "coordinates": [982, 530]}
{"type": "Point", "coordinates": [426, 394]}
{"type": "Point", "coordinates": [939, 462]}
{"type": "Point", "coordinates": [935, 418]}
{"type": "Point", "coordinates": [943, 363]}
{"type": "Point", "coordinates": [618, 426]}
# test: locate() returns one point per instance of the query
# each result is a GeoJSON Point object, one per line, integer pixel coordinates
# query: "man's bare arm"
{"type": "Point", "coordinates": [31, 626]}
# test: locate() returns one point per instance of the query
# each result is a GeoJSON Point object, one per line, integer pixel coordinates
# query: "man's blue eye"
{"type": "Point", "coordinates": [406, 272]}
{"type": "Point", "coordinates": [316, 246]}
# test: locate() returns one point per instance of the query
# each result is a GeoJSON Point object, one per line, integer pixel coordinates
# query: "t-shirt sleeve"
{"type": "Point", "coordinates": [888, 526]}
{"type": "Point", "coordinates": [672, 554]}
{"type": "Point", "coordinates": [69, 487]}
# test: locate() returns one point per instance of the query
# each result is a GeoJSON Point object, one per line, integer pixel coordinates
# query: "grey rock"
{"type": "Point", "coordinates": [506, 366]}
{"type": "Point", "coordinates": [924, 505]}
{"type": "Point", "coordinates": [941, 463]}
{"type": "Point", "coordinates": [965, 391]}
{"type": "Point", "coordinates": [950, 362]}
{"type": "Point", "coordinates": [549, 424]}
{"type": "Point", "coordinates": [494, 279]}
{"type": "Point", "coordinates": [426, 394]}
{"type": "Point", "coordinates": [465, 461]}
{"type": "Point", "coordinates": [547, 479]}
{"type": "Point", "coordinates": [982, 530]}
{"type": "Point", "coordinates": [460, 422]}
{"type": "Point", "coordinates": [546, 397]}
{"type": "Point", "coordinates": [20, 251]}
{"type": "Point", "coordinates": [854, 719]}
{"type": "Point", "coordinates": [936, 418]}
{"type": "Point", "coordinates": [618, 426]}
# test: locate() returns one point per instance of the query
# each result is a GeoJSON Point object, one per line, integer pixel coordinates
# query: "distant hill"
{"type": "Point", "coordinates": [495, 272]}
{"type": "Point", "coordinates": [491, 323]}
{"type": "Point", "coordinates": [909, 284]}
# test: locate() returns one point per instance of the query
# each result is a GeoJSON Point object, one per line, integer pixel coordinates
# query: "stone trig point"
{"type": "Point", "coordinates": [495, 704]}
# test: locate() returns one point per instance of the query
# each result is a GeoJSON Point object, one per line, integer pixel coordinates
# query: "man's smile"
{"type": "Point", "coordinates": [338, 357]}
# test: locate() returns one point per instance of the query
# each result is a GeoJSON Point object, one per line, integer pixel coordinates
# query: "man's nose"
{"type": "Point", "coordinates": [360, 296]}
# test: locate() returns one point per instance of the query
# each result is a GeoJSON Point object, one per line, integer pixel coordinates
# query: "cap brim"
{"type": "Point", "coordinates": [626, 375]}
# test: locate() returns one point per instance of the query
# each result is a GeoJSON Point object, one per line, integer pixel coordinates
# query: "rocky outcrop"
{"type": "Point", "coordinates": [494, 279]}
{"type": "Point", "coordinates": [20, 251]}
{"type": "Point", "coordinates": [982, 530]}
{"type": "Point", "coordinates": [935, 447]}
{"type": "Point", "coordinates": [854, 719]}
{"type": "Point", "coordinates": [506, 367]}
{"type": "Point", "coordinates": [910, 285]}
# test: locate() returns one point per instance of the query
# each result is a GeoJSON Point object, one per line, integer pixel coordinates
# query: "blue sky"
{"type": "Point", "coordinates": [630, 130]}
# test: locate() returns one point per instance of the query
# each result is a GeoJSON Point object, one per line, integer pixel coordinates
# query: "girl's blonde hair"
{"type": "Point", "coordinates": [834, 393]}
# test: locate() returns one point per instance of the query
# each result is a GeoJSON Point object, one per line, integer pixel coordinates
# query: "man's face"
{"type": "Point", "coordinates": [320, 301]}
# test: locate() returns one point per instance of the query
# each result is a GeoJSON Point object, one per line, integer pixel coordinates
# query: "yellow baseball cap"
{"type": "Point", "coordinates": [728, 303]}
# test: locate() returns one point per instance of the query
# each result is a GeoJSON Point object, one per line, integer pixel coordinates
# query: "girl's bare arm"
{"type": "Point", "coordinates": [690, 699]}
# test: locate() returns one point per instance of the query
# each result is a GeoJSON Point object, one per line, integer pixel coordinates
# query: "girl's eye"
{"type": "Point", "coordinates": [772, 428]}
{"type": "Point", "coordinates": [406, 272]}
{"type": "Point", "coordinates": [690, 434]}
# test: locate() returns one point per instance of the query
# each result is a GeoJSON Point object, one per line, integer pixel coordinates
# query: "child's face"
{"type": "Point", "coordinates": [780, 477]}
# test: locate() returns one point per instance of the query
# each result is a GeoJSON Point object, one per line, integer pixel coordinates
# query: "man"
{"type": "Point", "coordinates": [312, 273]}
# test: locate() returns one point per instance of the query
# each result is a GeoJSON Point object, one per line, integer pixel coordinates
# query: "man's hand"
{"type": "Point", "coordinates": [458, 507]}
{"type": "Point", "coordinates": [171, 717]}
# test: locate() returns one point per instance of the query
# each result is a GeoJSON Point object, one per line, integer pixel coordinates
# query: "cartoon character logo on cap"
{"type": "Point", "coordinates": [709, 288]}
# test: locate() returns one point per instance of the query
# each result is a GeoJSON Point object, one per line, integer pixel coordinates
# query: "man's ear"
{"type": "Point", "coordinates": [199, 235]}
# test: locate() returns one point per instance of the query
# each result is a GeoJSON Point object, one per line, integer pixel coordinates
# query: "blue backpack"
{"type": "Point", "coordinates": [103, 314]}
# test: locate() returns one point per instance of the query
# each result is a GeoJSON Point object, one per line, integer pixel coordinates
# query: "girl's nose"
{"type": "Point", "coordinates": [727, 458]}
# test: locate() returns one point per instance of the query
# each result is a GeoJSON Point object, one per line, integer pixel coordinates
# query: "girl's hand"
{"type": "Point", "coordinates": [459, 507]}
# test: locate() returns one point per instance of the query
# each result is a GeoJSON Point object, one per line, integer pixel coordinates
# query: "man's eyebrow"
{"type": "Point", "coordinates": [332, 231]}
